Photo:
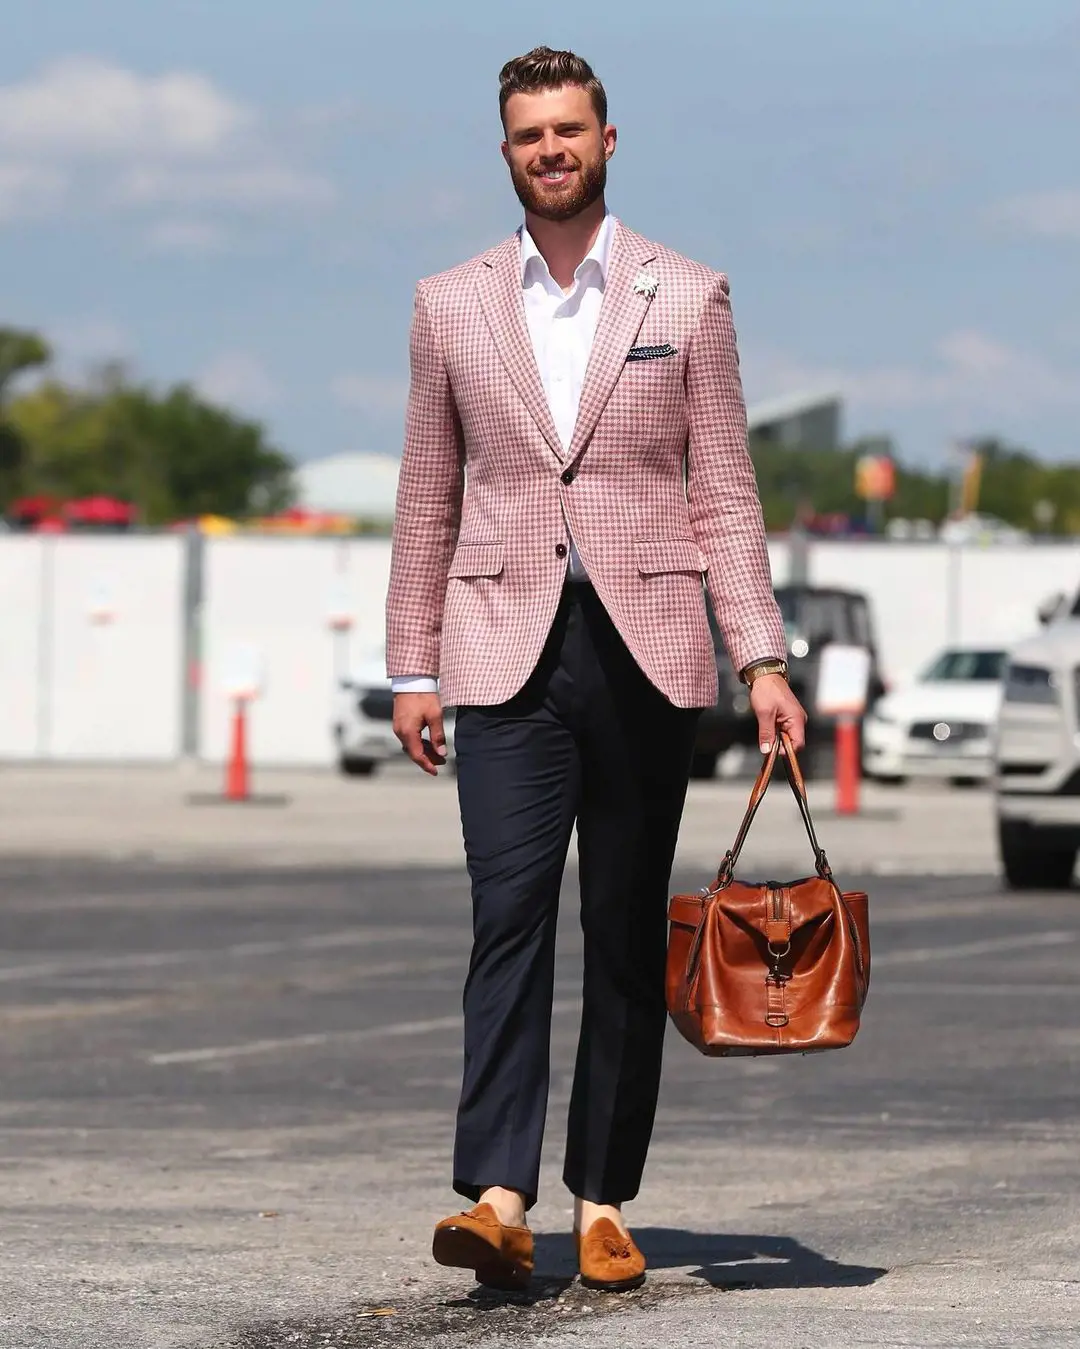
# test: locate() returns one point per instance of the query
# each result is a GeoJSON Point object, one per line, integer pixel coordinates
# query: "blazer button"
{"type": "Point", "coordinates": [568, 476]}
{"type": "Point", "coordinates": [560, 550]}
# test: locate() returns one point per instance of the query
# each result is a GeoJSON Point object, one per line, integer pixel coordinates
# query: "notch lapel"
{"type": "Point", "coordinates": [621, 316]}
{"type": "Point", "coordinates": [503, 306]}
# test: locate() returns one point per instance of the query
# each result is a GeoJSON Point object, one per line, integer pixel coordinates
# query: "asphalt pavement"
{"type": "Point", "coordinates": [228, 1101]}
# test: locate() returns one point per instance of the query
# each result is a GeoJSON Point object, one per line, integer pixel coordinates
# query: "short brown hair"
{"type": "Point", "coordinates": [543, 68]}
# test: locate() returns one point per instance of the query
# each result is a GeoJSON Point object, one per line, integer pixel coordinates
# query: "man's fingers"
{"type": "Point", "coordinates": [412, 742]}
{"type": "Point", "coordinates": [792, 721]}
{"type": "Point", "coordinates": [413, 713]}
{"type": "Point", "coordinates": [422, 759]}
{"type": "Point", "coordinates": [766, 728]}
{"type": "Point", "coordinates": [438, 735]}
{"type": "Point", "coordinates": [432, 754]}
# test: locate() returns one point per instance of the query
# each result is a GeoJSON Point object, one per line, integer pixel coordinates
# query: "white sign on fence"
{"type": "Point", "coordinates": [243, 675]}
{"type": "Point", "coordinates": [843, 680]}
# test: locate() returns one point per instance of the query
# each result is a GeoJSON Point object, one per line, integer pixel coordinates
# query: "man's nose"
{"type": "Point", "coordinates": [551, 146]}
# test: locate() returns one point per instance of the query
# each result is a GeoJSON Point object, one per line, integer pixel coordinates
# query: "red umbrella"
{"type": "Point", "coordinates": [100, 510]}
{"type": "Point", "coordinates": [33, 508]}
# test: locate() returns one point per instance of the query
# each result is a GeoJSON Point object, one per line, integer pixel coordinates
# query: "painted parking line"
{"type": "Point", "coordinates": [315, 1039]}
{"type": "Point", "coordinates": [990, 945]}
{"type": "Point", "coordinates": [995, 990]}
{"type": "Point", "coordinates": [148, 960]}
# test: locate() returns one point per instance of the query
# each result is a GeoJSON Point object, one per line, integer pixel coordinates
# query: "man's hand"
{"type": "Point", "coordinates": [777, 709]}
{"type": "Point", "coordinates": [413, 714]}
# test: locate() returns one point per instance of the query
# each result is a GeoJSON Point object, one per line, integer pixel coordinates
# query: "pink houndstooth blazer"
{"type": "Point", "coordinates": [657, 484]}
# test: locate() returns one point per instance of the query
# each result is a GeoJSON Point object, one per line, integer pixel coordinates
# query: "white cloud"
{"type": "Point", "coordinates": [193, 238]}
{"type": "Point", "coordinates": [968, 370]}
{"type": "Point", "coordinates": [1047, 215]}
{"type": "Point", "coordinates": [122, 141]}
{"type": "Point", "coordinates": [81, 105]}
{"type": "Point", "coordinates": [29, 190]}
{"type": "Point", "coordinates": [253, 186]}
{"type": "Point", "coordinates": [382, 395]}
{"type": "Point", "coordinates": [236, 378]}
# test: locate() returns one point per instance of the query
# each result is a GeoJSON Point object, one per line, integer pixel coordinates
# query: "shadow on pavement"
{"type": "Point", "coordinates": [741, 1261]}
{"type": "Point", "coordinates": [723, 1260]}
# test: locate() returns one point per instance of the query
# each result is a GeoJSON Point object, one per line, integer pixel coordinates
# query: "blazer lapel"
{"type": "Point", "coordinates": [501, 300]}
{"type": "Point", "coordinates": [621, 316]}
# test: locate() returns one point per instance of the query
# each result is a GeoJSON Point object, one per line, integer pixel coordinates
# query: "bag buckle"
{"type": "Point", "coordinates": [775, 1012]}
{"type": "Point", "coordinates": [777, 975]}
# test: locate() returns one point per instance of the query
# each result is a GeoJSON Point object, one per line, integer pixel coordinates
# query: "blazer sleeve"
{"type": "Point", "coordinates": [427, 512]}
{"type": "Point", "coordinates": [725, 509]}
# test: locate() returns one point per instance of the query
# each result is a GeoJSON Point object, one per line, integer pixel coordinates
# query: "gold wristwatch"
{"type": "Point", "coordinates": [763, 667]}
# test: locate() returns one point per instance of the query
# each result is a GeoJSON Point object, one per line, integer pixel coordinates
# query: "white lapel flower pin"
{"type": "Point", "coordinates": [645, 284]}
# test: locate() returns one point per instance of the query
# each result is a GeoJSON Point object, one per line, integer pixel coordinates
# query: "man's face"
{"type": "Point", "coordinates": [557, 151]}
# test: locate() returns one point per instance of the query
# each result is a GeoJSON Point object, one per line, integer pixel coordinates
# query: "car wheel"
{"type": "Point", "coordinates": [1028, 863]}
{"type": "Point", "coordinates": [356, 768]}
{"type": "Point", "coordinates": [964, 782]}
{"type": "Point", "coordinates": [703, 767]}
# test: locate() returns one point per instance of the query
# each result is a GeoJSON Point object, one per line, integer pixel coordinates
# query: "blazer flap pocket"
{"type": "Point", "coordinates": [656, 556]}
{"type": "Point", "coordinates": [477, 559]}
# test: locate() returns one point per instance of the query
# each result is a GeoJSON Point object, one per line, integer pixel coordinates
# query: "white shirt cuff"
{"type": "Point", "coordinates": [414, 684]}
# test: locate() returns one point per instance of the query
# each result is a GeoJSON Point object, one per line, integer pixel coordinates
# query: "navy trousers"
{"type": "Point", "coordinates": [588, 741]}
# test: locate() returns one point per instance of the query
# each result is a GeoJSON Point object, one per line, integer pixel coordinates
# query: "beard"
{"type": "Point", "coordinates": [586, 185]}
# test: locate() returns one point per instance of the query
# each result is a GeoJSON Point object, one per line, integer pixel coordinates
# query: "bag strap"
{"type": "Point", "coordinates": [798, 787]}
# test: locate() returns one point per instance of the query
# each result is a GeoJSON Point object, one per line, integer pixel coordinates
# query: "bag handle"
{"type": "Point", "coordinates": [798, 787]}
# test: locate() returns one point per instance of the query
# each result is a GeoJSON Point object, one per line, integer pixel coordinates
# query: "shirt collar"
{"type": "Point", "coordinates": [599, 254]}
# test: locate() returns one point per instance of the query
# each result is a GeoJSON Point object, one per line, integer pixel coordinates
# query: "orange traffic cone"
{"type": "Point", "coordinates": [848, 766]}
{"type": "Point", "coordinates": [236, 770]}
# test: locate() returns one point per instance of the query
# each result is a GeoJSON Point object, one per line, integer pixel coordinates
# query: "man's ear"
{"type": "Point", "coordinates": [610, 135]}
{"type": "Point", "coordinates": [505, 148]}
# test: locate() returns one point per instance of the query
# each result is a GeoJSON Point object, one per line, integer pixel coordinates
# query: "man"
{"type": "Point", "coordinates": [575, 466]}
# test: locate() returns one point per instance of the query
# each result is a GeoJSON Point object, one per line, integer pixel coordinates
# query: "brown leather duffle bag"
{"type": "Point", "coordinates": [772, 967]}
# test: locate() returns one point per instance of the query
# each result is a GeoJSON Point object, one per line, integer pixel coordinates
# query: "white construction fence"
{"type": "Point", "coordinates": [117, 649]}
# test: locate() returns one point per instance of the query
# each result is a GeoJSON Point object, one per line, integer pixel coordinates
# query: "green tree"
{"type": "Point", "coordinates": [172, 455]}
{"type": "Point", "coordinates": [193, 458]}
{"type": "Point", "coordinates": [20, 351]}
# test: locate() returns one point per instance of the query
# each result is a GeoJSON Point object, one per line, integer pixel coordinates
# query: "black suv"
{"type": "Point", "coordinates": [813, 617]}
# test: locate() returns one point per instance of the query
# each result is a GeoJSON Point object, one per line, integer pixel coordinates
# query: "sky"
{"type": "Point", "coordinates": [243, 195]}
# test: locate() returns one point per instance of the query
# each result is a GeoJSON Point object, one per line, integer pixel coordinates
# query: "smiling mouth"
{"type": "Point", "coordinates": [554, 176]}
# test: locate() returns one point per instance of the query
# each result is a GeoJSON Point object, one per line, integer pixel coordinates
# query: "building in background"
{"type": "Point", "coordinates": [804, 421]}
{"type": "Point", "coordinates": [365, 485]}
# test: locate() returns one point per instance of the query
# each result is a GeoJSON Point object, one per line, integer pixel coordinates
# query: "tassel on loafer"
{"type": "Point", "coordinates": [609, 1260]}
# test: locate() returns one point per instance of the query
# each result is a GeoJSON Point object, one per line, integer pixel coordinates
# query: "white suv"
{"type": "Point", "coordinates": [363, 721]}
{"type": "Point", "coordinates": [1037, 758]}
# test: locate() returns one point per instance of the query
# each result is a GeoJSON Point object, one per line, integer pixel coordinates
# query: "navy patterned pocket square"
{"type": "Point", "coordinates": [651, 353]}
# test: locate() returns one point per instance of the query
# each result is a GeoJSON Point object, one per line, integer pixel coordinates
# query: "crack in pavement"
{"type": "Point", "coordinates": [550, 1304]}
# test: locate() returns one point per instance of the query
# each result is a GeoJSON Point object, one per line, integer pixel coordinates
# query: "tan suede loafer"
{"type": "Point", "coordinates": [609, 1261]}
{"type": "Point", "coordinates": [501, 1257]}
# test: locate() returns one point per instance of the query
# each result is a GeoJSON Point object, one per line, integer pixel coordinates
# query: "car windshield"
{"type": "Point", "coordinates": [788, 602]}
{"type": "Point", "coordinates": [817, 617]}
{"type": "Point", "coordinates": [977, 665]}
{"type": "Point", "coordinates": [823, 616]}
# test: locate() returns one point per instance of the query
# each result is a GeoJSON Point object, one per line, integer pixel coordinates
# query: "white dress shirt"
{"type": "Point", "coordinates": [561, 327]}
